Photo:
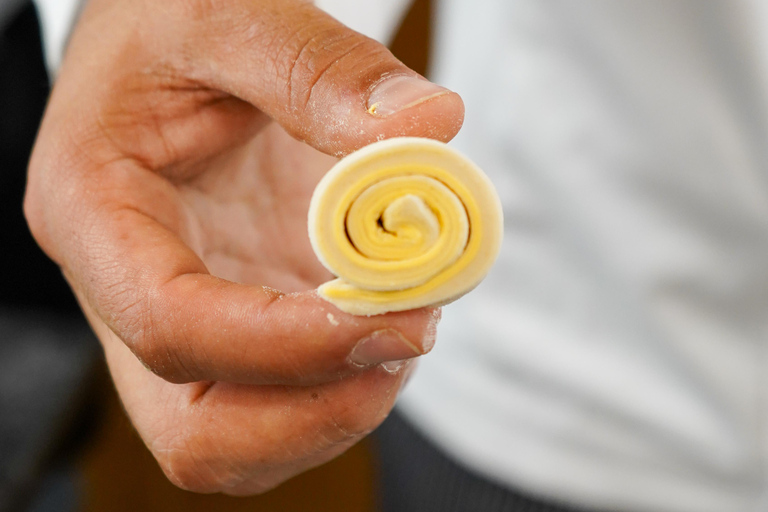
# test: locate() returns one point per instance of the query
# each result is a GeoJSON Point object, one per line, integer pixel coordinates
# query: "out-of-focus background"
{"type": "Point", "coordinates": [65, 443]}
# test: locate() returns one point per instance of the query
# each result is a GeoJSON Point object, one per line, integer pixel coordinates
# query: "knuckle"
{"type": "Point", "coordinates": [316, 55]}
{"type": "Point", "coordinates": [37, 203]}
{"type": "Point", "coordinates": [156, 347]}
{"type": "Point", "coordinates": [160, 356]}
{"type": "Point", "coordinates": [33, 213]}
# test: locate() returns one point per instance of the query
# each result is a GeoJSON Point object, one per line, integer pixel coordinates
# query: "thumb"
{"type": "Point", "coordinates": [324, 83]}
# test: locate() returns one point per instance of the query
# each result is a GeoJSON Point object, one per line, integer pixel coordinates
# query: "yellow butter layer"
{"type": "Point", "coordinates": [404, 223]}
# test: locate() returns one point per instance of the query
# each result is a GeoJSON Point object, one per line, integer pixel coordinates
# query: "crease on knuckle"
{"type": "Point", "coordinates": [141, 322]}
{"type": "Point", "coordinates": [316, 54]}
{"type": "Point", "coordinates": [180, 351]}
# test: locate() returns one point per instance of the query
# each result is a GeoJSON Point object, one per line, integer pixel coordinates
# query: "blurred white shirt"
{"type": "Point", "coordinates": [617, 355]}
{"type": "Point", "coordinates": [56, 18]}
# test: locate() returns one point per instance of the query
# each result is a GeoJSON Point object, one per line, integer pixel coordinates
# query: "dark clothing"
{"type": "Point", "coordinates": [46, 348]}
{"type": "Point", "coordinates": [416, 476]}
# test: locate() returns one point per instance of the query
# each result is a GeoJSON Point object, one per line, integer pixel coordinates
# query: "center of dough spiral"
{"type": "Point", "coordinates": [405, 230]}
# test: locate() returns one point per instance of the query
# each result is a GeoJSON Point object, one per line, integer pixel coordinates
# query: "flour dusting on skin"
{"type": "Point", "coordinates": [332, 319]}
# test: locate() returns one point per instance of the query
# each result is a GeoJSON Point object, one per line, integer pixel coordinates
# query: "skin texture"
{"type": "Point", "coordinates": [171, 181]}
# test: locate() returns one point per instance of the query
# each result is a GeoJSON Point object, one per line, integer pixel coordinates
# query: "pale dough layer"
{"type": "Point", "coordinates": [404, 223]}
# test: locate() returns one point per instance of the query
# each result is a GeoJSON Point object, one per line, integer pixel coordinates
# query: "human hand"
{"type": "Point", "coordinates": [176, 209]}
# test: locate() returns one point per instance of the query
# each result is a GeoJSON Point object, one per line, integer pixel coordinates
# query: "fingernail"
{"type": "Point", "coordinates": [382, 346]}
{"type": "Point", "coordinates": [401, 92]}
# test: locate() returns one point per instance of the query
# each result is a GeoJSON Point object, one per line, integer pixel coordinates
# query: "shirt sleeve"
{"type": "Point", "coordinates": [377, 19]}
{"type": "Point", "coordinates": [56, 20]}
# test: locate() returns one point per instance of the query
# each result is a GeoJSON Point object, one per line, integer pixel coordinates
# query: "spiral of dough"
{"type": "Point", "coordinates": [404, 223]}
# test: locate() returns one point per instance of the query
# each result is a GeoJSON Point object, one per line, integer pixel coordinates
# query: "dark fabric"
{"type": "Point", "coordinates": [415, 476]}
{"type": "Point", "coordinates": [8, 11]}
{"type": "Point", "coordinates": [45, 363]}
{"type": "Point", "coordinates": [60, 491]}
{"type": "Point", "coordinates": [27, 277]}
{"type": "Point", "coordinates": [46, 348]}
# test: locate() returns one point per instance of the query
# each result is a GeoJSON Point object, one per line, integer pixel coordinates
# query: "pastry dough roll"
{"type": "Point", "coordinates": [404, 223]}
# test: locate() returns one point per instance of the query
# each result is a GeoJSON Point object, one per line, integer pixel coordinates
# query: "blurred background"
{"type": "Point", "coordinates": [65, 443]}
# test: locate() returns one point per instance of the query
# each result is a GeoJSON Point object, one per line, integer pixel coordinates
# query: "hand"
{"type": "Point", "coordinates": [176, 209]}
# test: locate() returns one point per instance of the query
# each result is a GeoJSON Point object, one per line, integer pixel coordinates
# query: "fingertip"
{"type": "Point", "coordinates": [396, 93]}
{"type": "Point", "coordinates": [400, 335]}
{"type": "Point", "coordinates": [438, 114]}
{"type": "Point", "coordinates": [364, 340]}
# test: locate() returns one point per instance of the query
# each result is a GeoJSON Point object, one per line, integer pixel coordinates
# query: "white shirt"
{"type": "Point", "coordinates": [56, 19]}
{"type": "Point", "coordinates": [617, 355]}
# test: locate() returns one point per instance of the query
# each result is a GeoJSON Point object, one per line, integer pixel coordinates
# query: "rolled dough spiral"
{"type": "Point", "coordinates": [404, 223]}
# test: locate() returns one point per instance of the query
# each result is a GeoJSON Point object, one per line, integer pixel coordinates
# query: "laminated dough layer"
{"type": "Point", "coordinates": [404, 223]}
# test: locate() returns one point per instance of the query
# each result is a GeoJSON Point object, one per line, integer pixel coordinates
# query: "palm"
{"type": "Point", "coordinates": [249, 210]}
{"type": "Point", "coordinates": [233, 186]}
